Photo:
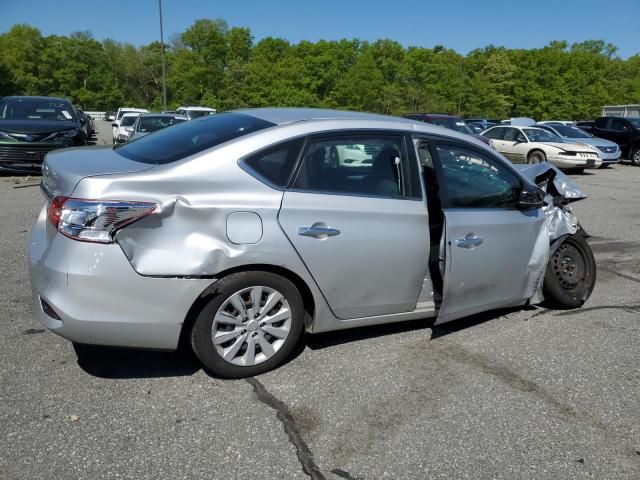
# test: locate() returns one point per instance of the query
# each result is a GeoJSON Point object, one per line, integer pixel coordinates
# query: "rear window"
{"type": "Point", "coordinates": [180, 141]}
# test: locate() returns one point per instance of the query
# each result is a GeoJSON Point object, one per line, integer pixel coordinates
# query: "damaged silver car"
{"type": "Point", "coordinates": [239, 231]}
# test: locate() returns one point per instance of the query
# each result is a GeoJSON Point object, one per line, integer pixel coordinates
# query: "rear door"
{"type": "Point", "coordinates": [362, 230]}
{"type": "Point", "coordinates": [496, 135]}
{"type": "Point", "coordinates": [488, 242]}
{"type": "Point", "coordinates": [515, 145]}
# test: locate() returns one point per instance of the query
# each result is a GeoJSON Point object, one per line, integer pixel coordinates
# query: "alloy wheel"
{"type": "Point", "coordinates": [251, 326]}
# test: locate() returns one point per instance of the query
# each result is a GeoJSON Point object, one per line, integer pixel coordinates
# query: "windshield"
{"type": "Point", "coordinates": [198, 113]}
{"type": "Point", "coordinates": [635, 122]}
{"type": "Point", "coordinates": [128, 121]}
{"type": "Point", "coordinates": [187, 138]}
{"type": "Point", "coordinates": [570, 132]}
{"type": "Point", "coordinates": [151, 124]}
{"type": "Point", "coordinates": [539, 135]}
{"type": "Point", "coordinates": [36, 109]}
{"type": "Point", "coordinates": [452, 123]}
{"type": "Point", "coordinates": [122, 112]}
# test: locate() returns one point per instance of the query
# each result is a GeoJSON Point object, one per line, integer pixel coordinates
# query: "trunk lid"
{"type": "Point", "coordinates": [63, 169]}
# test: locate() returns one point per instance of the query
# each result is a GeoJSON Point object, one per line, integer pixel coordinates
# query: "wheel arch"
{"type": "Point", "coordinates": [536, 149]}
{"type": "Point", "coordinates": [304, 290]}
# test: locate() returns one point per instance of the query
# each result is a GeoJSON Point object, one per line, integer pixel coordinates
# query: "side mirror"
{"type": "Point", "coordinates": [521, 140]}
{"type": "Point", "coordinates": [114, 125]}
{"type": "Point", "coordinates": [531, 198]}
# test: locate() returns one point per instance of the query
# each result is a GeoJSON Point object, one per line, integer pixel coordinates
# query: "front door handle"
{"type": "Point", "coordinates": [318, 232]}
{"type": "Point", "coordinates": [470, 241]}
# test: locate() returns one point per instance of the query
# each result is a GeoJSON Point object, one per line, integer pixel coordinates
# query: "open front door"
{"type": "Point", "coordinates": [488, 242]}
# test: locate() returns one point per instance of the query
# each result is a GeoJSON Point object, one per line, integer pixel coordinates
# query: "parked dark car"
{"type": "Point", "coordinates": [86, 122]}
{"type": "Point", "coordinates": [30, 127]}
{"type": "Point", "coordinates": [483, 123]}
{"type": "Point", "coordinates": [625, 131]}
{"type": "Point", "coordinates": [585, 125]}
{"type": "Point", "coordinates": [448, 121]}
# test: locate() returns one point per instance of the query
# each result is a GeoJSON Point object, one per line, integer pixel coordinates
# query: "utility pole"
{"type": "Point", "coordinates": [164, 69]}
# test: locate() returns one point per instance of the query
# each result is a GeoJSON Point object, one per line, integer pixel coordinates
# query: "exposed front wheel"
{"type": "Point", "coordinates": [536, 157]}
{"type": "Point", "coordinates": [571, 273]}
{"type": "Point", "coordinates": [249, 326]}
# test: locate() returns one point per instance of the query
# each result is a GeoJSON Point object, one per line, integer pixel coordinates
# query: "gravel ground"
{"type": "Point", "coordinates": [518, 394]}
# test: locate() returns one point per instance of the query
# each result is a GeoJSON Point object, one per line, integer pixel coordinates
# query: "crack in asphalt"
{"type": "Point", "coordinates": [342, 474]}
{"type": "Point", "coordinates": [305, 456]}
{"type": "Point", "coordinates": [627, 308]}
{"type": "Point", "coordinates": [622, 275]}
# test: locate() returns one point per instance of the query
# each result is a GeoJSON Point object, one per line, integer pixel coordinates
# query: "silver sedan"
{"type": "Point", "coordinates": [240, 230]}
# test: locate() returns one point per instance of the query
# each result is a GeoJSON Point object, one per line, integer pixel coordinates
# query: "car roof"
{"type": "Point", "coordinates": [133, 109]}
{"type": "Point", "coordinates": [168, 115]}
{"type": "Point", "coordinates": [33, 97]}
{"type": "Point", "coordinates": [282, 116]}
{"type": "Point", "coordinates": [433, 115]}
{"type": "Point", "coordinates": [196, 108]}
{"type": "Point", "coordinates": [131, 114]}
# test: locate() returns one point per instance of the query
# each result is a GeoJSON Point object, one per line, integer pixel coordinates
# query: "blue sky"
{"type": "Point", "coordinates": [459, 24]}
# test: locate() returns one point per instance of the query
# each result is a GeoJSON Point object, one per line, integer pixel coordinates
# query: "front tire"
{"type": "Point", "coordinates": [536, 157]}
{"type": "Point", "coordinates": [635, 157]}
{"type": "Point", "coordinates": [249, 326]}
{"type": "Point", "coordinates": [571, 273]}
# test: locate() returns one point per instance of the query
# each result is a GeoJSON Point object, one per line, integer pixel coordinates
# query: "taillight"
{"type": "Point", "coordinates": [95, 220]}
{"type": "Point", "coordinates": [55, 210]}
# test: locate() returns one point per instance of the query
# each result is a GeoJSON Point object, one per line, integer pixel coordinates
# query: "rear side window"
{"type": "Point", "coordinates": [601, 122]}
{"type": "Point", "coordinates": [495, 133]}
{"type": "Point", "coordinates": [274, 165]}
{"type": "Point", "coordinates": [180, 141]}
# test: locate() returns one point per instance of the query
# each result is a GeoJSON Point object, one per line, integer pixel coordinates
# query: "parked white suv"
{"type": "Point", "coordinates": [119, 114]}
{"type": "Point", "coordinates": [192, 112]}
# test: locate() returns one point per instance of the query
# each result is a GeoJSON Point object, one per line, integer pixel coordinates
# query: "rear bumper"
{"type": "Point", "coordinates": [99, 298]}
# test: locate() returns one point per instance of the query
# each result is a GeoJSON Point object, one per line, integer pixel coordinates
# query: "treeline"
{"type": "Point", "coordinates": [215, 65]}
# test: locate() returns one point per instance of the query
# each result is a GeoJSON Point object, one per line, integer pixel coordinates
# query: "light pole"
{"type": "Point", "coordinates": [164, 70]}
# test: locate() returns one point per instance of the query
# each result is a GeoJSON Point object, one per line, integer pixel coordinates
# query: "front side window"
{"type": "Point", "coordinates": [473, 180]}
{"type": "Point", "coordinates": [619, 125]}
{"type": "Point", "coordinates": [514, 135]}
{"type": "Point", "coordinates": [368, 165]}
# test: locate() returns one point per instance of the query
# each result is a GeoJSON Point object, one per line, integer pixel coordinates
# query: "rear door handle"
{"type": "Point", "coordinates": [470, 241]}
{"type": "Point", "coordinates": [318, 232]}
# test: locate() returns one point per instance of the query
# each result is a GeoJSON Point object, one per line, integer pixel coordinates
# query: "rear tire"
{"type": "Point", "coordinates": [571, 274]}
{"type": "Point", "coordinates": [536, 157]}
{"type": "Point", "coordinates": [635, 157]}
{"type": "Point", "coordinates": [257, 318]}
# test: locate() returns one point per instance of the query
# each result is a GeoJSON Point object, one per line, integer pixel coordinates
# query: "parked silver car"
{"type": "Point", "coordinates": [148, 123]}
{"type": "Point", "coordinates": [609, 152]}
{"type": "Point", "coordinates": [240, 230]}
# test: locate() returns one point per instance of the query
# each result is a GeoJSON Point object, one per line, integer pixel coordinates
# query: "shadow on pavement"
{"type": "Point", "coordinates": [109, 362]}
{"type": "Point", "coordinates": [106, 362]}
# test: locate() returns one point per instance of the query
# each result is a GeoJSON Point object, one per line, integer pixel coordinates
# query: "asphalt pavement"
{"type": "Point", "coordinates": [519, 394]}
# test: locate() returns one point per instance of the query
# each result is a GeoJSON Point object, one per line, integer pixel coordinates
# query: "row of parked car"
{"type": "Point", "coordinates": [130, 123]}
{"type": "Point", "coordinates": [566, 144]}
